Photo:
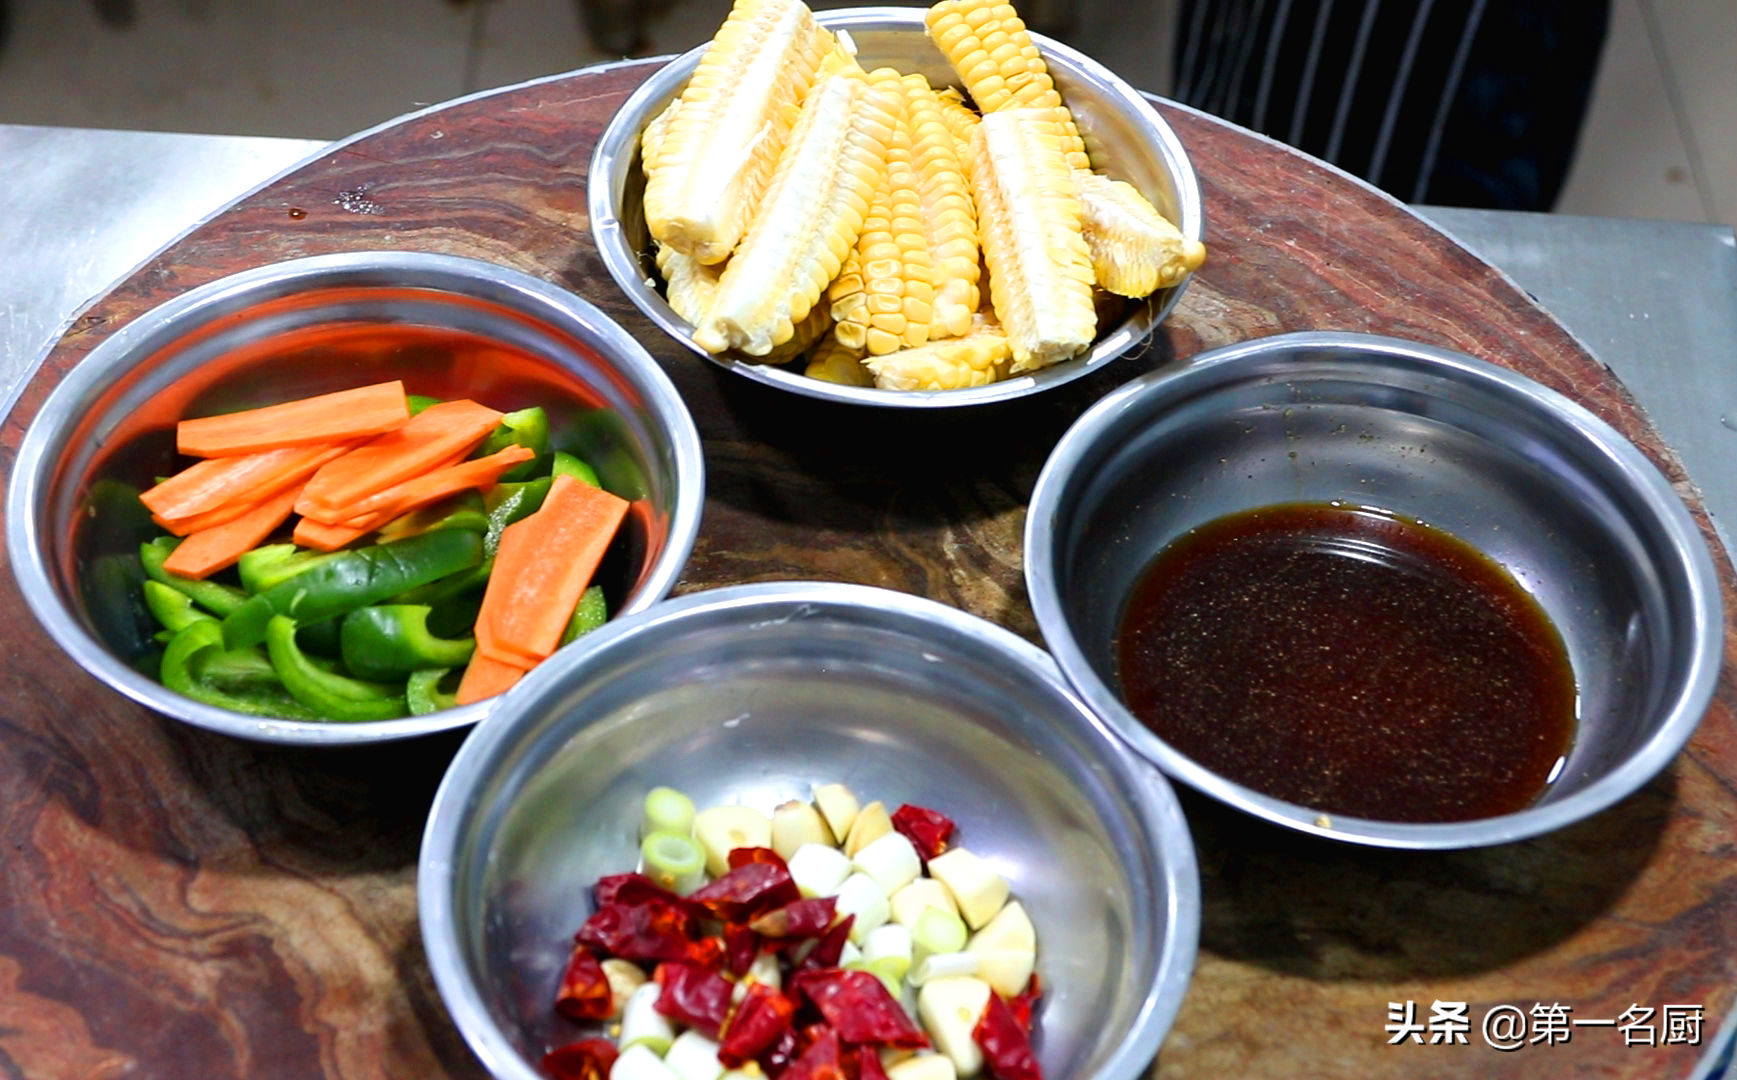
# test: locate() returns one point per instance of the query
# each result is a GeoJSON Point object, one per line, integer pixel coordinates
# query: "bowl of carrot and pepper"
{"type": "Point", "coordinates": [350, 498]}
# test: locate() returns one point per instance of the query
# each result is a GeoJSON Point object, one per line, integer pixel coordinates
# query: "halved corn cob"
{"type": "Point", "coordinates": [949, 219]}
{"type": "Point", "coordinates": [1028, 216]}
{"type": "Point", "coordinates": [960, 118]}
{"type": "Point", "coordinates": [816, 326]}
{"type": "Point", "coordinates": [689, 283]}
{"type": "Point", "coordinates": [1135, 250]}
{"type": "Point", "coordinates": [835, 363]}
{"type": "Point", "coordinates": [736, 113]}
{"type": "Point", "coordinates": [651, 140]}
{"type": "Point", "coordinates": [987, 44]}
{"type": "Point", "coordinates": [977, 359]}
{"type": "Point", "coordinates": [883, 297]}
{"type": "Point", "coordinates": [808, 221]}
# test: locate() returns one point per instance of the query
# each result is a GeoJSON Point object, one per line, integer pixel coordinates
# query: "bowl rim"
{"type": "Point", "coordinates": [1153, 801]}
{"type": "Point", "coordinates": [621, 136]}
{"type": "Point", "coordinates": [25, 545]}
{"type": "Point", "coordinates": [1686, 545]}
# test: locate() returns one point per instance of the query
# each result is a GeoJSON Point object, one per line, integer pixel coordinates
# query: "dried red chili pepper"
{"type": "Point", "coordinates": [803, 919]}
{"type": "Point", "coordinates": [649, 931]}
{"type": "Point", "coordinates": [608, 889]}
{"type": "Point", "coordinates": [634, 889]}
{"type": "Point", "coordinates": [756, 1026]}
{"type": "Point", "coordinates": [925, 829]}
{"type": "Point", "coordinates": [742, 856]}
{"type": "Point", "coordinates": [708, 952]}
{"type": "Point", "coordinates": [829, 948]}
{"type": "Point", "coordinates": [868, 1064]}
{"type": "Point", "coordinates": [1006, 1048]}
{"type": "Point", "coordinates": [584, 993]}
{"type": "Point", "coordinates": [693, 995]}
{"type": "Point", "coordinates": [587, 1059]}
{"type": "Point", "coordinates": [777, 1057]}
{"type": "Point", "coordinates": [747, 891]}
{"type": "Point", "coordinates": [859, 1008]}
{"type": "Point", "coordinates": [741, 946]}
{"type": "Point", "coordinates": [1025, 1005]}
{"type": "Point", "coordinates": [818, 1062]}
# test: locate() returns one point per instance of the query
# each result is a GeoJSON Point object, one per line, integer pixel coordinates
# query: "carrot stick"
{"type": "Point", "coordinates": [485, 678]}
{"type": "Point", "coordinates": [322, 537]}
{"type": "Point", "coordinates": [397, 501]}
{"type": "Point", "coordinates": [566, 543]}
{"type": "Point", "coordinates": [437, 485]}
{"type": "Point", "coordinates": [250, 478]}
{"type": "Point", "coordinates": [210, 519]}
{"type": "Point", "coordinates": [343, 416]}
{"type": "Point", "coordinates": [433, 437]}
{"type": "Point", "coordinates": [515, 550]}
{"type": "Point", "coordinates": [206, 552]}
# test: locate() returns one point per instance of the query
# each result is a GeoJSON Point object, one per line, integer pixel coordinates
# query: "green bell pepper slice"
{"type": "Point", "coordinates": [173, 608]}
{"type": "Point", "coordinates": [437, 592]}
{"type": "Point", "coordinates": [196, 654]}
{"type": "Point", "coordinates": [607, 443]}
{"type": "Point", "coordinates": [321, 638]}
{"type": "Point", "coordinates": [455, 618]}
{"type": "Point", "coordinates": [568, 465]}
{"type": "Point", "coordinates": [589, 613]}
{"type": "Point", "coordinates": [390, 641]}
{"type": "Point", "coordinates": [462, 511]}
{"type": "Point", "coordinates": [274, 564]}
{"type": "Point", "coordinates": [352, 579]}
{"type": "Point", "coordinates": [418, 402]}
{"type": "Point", "coordinates": [331, 696]}
{"type": "Point", "coordinates": [113, 523]}
{"type": "Point", "coordinates": [115, 600]}
{"type": "Point", "coordinates": [213, 596]}
{"type": "Point", "coordinates": [237, 669]}
{"type": "Point", "coordinates": [528, 428]}
{"type": "Point", "coordinates": [508, 503]}
{"type": "Point", "coordinates": [424, 695]}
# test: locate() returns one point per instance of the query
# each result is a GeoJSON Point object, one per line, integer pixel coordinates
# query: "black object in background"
{"type": "Point", "coordinates": [1454, 102]}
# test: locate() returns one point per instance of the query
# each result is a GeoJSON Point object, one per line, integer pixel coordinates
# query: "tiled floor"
{"type": "Point", "coordinates": [1661, 140]}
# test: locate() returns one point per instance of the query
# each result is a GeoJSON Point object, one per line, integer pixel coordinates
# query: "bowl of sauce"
{"type": "Point", "coordinates": [1374, 590]}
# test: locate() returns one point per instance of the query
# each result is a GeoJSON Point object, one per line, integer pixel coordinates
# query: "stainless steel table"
{"type": "Point", "coordinates": [1655, 301]}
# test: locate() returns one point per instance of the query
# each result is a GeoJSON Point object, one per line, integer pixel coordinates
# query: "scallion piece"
{"type": "Point", "coordinates": [936, 932]}
{"type": "Point", "coordinates": [667, 811]}
{"type": "Point", "coordinates": [674, 861]}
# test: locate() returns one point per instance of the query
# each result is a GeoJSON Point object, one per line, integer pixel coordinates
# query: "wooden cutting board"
{"type": "Point", "coordinates": [178, 904]}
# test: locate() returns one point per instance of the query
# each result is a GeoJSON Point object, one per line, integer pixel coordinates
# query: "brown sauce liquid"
{"type": "Point", "coordinates": [1350, 661]}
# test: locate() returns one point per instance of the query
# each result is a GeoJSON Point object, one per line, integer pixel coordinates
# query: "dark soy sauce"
{"type": "Point", "coordinates": [1350, 661]}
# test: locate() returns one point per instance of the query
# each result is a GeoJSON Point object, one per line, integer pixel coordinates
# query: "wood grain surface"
{"type": "Point", "coordinates": [178, 904]}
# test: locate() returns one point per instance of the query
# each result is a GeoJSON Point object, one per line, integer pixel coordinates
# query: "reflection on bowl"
{"type": "Point", "coordinates": [755, 694]}
{"type": "Point", "coordinates": [448, 327]}
{"type": "Point", "coordinates": [1124, 135]}
{"type": "Point", "coordinates": [1567, 506]}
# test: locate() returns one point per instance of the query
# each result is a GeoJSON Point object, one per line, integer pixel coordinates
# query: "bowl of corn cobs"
{"type": "Point", "coordinates": [895, 207]}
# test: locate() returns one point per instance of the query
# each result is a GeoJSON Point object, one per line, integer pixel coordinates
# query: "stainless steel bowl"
{"type": "Point", "coordinates": [1570, 508]}
{"type": "Point", "coordinates": [293, 329]}
{"type": "Point", "coordinates": [1124, 135]}
{"type": "Point", "coordinates": [756, 693]}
